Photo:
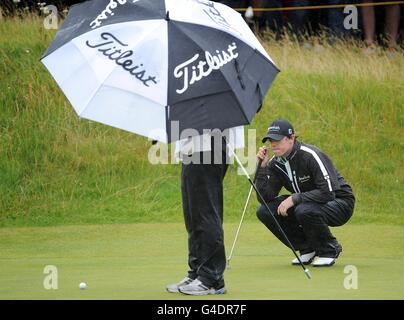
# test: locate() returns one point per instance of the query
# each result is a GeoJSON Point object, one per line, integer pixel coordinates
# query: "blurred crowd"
{"type": "Point", "coordinates": [379, 24]}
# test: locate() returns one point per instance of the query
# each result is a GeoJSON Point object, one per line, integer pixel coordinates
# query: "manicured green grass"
{"type": "Point", "coordinates": [84, 197]}
{"type": "Point", "coordinates": [136, 262]}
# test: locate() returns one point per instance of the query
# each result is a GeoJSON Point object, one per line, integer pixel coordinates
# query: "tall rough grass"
{"type": "Point", "coordinates": [57, 169]}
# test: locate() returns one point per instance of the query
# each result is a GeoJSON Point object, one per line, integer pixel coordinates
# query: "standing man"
{"type": "Point", "coordinates": [320, 197]}
{"type": "Point", "coordinates": [204, 166]}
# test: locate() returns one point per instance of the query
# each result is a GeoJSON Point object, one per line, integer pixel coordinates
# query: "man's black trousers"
{"type": "Point", "coordinates": [307, 224]}
{"type": "Point", "coordinates": [202, 199]}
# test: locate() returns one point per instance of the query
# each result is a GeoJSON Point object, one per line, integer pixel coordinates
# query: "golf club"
{"type": "Point", "coordinates": [242, 216]}
{"type": "Point", "coordinates": [306, 271]}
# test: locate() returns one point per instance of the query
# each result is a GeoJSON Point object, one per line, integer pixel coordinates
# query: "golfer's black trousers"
{"type": "Point", "coordinates": [202, 198]}
{"type": "Point", "coordinates": [307, 224]}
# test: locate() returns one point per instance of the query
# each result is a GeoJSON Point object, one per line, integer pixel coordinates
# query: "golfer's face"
{"type": "Point", "coordinates": [281, 147]}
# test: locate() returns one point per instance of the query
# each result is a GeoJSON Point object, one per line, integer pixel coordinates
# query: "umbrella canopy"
{"type": "Point", "coordinates": [144, 65]}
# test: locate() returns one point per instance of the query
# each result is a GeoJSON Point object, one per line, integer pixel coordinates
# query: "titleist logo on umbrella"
{"type": "Point", "coordinates": [214, 14]}
{"type": "Point", "coordinates": [204, 67]}
{"type": "Point", "coordinates": [112, 49]}
{"type": "Point", "coordinates": [113, 4]}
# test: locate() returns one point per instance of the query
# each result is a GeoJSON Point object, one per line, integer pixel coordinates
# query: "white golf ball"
{"type": "Point", "coordinates": [82, 285]}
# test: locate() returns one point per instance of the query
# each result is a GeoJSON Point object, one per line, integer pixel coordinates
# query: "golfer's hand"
{"type": "Point", "coordinates": [285, 205]}
{"type": "Point", "coordinates": [263, 155]}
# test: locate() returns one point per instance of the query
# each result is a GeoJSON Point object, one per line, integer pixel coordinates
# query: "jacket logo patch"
{"type": "Point", "coordinates": [304, 179]}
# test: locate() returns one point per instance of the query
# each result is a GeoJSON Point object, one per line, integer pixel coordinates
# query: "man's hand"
{"type": "Point", "coordinates": [263, 155]}
{"type": "Point", "coordinates": [285, 205]}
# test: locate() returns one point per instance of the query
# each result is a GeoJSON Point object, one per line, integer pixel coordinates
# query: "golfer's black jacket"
{"type": "Point", "coordinates": [307, 173]}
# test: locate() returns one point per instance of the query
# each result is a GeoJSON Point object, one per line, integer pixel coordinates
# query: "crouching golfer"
{"type": "Point", "coordinates": [320, 197]}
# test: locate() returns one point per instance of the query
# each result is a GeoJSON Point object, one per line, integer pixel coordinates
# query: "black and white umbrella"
{"type": "Point", "coordinates": [142, 65]}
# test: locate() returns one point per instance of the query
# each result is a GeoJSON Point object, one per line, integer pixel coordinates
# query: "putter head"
{"type": "Point", "coordinates": [307, 272]}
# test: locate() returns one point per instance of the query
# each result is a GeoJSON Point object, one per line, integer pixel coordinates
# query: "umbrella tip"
{"type": "Point", "coordinates": [168, 16]}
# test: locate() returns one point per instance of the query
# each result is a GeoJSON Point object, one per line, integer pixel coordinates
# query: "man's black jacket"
{"type": "Point", "coordinates": [307, 173]}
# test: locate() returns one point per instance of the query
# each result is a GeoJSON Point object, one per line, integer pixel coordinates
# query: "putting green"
{"type": "Point", "coordinates": [136, 262]}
